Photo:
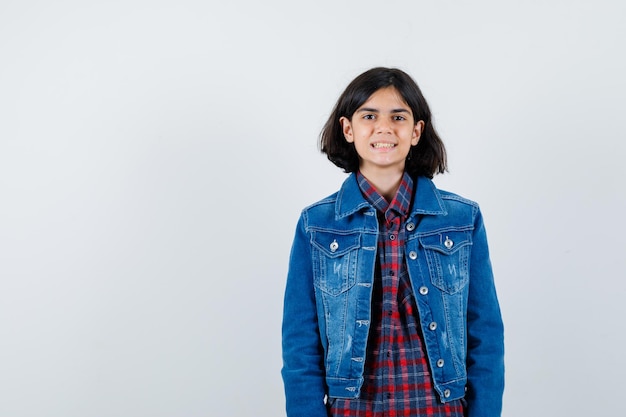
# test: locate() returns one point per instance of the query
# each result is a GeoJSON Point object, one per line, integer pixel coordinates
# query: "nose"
{"type": "Point", "coordinates": [383, 125]}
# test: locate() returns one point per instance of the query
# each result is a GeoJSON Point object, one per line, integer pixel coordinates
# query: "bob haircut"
{"type": "Point", "coordinates": [427, 158]}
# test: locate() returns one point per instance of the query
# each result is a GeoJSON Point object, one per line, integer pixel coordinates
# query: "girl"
{"type": "Point", "coordinates": [390, 305]}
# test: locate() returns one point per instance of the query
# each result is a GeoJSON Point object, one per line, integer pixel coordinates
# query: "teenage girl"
{"type": "Point", "coordinates": [390, 306]}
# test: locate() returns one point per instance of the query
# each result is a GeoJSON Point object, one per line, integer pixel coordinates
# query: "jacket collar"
{"type": "Point", "coordinates": [426, 198]}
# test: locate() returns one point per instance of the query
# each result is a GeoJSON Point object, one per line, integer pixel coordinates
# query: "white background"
{"type": "Point", "coordinates": [155, 156]}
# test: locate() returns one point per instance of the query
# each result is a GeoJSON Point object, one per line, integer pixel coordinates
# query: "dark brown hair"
{"type": "Point", "coordinates": [426, 158]}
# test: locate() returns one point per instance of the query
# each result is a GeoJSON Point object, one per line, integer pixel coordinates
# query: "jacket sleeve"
{"type": "Point", "coordinates": [303, 362]}
{"type": "Point", "coordinates": [485, 342]}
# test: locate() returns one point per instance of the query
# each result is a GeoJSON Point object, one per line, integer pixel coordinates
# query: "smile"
{"type": "Point", "coordinates": [379, 145]}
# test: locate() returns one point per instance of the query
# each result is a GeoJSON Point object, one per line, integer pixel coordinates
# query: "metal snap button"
{"type": "Point", "coordinates": [432, 326]}
{"type": "Point", "coordinates": [448, 243]}
{"type": "Point", "coordinates": [410, 227]}
{"type": "Point", "coordinates": [446, 393]}
{"type": "Point", "coordinates": [413, 255]}
{"type": "Point", "coordinates": [440, 363]}
{"type": "Point", "coordinates": [423, 290]}
{"type": "Point", "coordinates": [334, 246]}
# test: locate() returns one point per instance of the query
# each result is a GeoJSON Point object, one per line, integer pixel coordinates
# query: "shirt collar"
{"type": "Point", "coordinates": [400, 203]}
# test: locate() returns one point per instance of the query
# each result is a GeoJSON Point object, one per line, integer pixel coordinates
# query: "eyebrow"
{"type": "Point", "coordinates": [372, 110]}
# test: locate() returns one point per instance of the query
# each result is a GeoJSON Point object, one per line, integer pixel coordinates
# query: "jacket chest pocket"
{"type": "Point", "coordinates": [335, 261]}
{"type": "Point", "coordinates": [448, 256]}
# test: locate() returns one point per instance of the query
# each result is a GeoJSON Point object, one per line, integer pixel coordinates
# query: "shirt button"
{"type": "Point", "coordinates": [392, 237]}
{"type": "Point", "coordinates": [413, 255]}
{"type": "Point", "coordinates": [446, 393]}
{"type": "Point", "coordinates": [440, 363]}
{"type": "Point", "coordinates": [392, 273]}
{"type": "Point", "coordinates": [410, 227]}
{"type": "Point", "coordinates": [423, 290]}
{"type": "Point", "coordinates": [432, 326]}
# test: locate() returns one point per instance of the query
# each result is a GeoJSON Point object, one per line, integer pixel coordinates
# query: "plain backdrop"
{"type": "Point", "coordinates": [155, 156]}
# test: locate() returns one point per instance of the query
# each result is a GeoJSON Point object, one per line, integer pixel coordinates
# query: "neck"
{"type": "Point", "coordinates": [386, 182]}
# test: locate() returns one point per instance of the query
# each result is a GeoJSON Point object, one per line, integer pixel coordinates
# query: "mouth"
{"type": "Point", "coordinates": [382, 145]}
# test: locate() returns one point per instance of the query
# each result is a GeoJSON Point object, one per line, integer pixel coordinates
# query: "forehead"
{"type": "Point", "coordinates": [387, 97]}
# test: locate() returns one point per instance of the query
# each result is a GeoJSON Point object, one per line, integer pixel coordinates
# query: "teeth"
{"type": "Point", "coordinates": [383, 145]}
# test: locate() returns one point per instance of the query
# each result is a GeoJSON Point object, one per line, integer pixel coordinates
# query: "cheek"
{"type": "Point", "coordinates": [361, 148]}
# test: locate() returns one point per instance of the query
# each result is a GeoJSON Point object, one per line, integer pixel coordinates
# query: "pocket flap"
{"type": "Point", "coordinates": [333, 244]}
{"type": "Point", "coordinates": [447, 242]}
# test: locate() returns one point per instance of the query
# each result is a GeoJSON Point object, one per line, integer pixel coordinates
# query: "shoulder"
{"type": "Point", "coordinates": [347, 200]}
{"type": "Point", "coordinates": [320, 212]}
{"type": "Point", "coordinates": [325, 202]}
{"type": "Point", "coordinates": [456, 199]}
{"type": "Point", "coordinates": [444, 208]}
{"type": "Point", "coordinates": [431, 200]}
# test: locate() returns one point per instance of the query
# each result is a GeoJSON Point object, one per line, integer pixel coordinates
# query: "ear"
{"type": "Point", "coordinates": [346, 128]}
{"type": "Point", "coordinates": [417, 132]}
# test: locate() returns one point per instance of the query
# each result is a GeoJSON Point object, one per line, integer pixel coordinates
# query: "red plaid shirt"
{"type": "Point", "coordinates": [397, 377]}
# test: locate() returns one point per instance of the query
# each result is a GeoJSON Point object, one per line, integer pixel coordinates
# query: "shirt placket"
{"type": "Point", "coordinates": [391, 273]}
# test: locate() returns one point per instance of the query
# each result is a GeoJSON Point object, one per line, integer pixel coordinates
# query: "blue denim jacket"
{"type": "Point", "coordinates": [328, 299]}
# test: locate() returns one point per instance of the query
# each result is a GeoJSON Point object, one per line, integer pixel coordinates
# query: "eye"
{"type": "Point", "coordinates": [369, 116]}
{"type": "Point", "coordinates": [399, 118]}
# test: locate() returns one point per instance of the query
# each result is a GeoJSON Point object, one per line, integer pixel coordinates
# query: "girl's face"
{"type": "Point", "coordinates": [383, 131]}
